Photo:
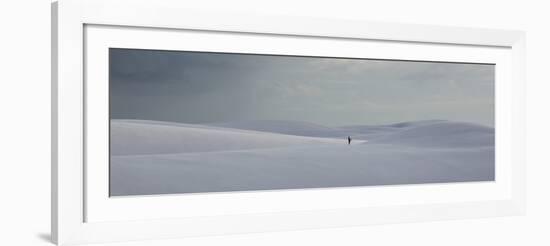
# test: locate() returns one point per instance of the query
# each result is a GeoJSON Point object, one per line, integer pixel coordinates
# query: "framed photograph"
{"type": "Point", "coordinates": [171, 123]}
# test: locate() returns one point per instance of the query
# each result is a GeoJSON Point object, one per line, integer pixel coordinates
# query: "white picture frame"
{"type": "Point", "coordinates": [82, 211]}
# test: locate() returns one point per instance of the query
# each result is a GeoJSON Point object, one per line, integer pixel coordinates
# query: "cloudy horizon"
{"type": "Point", "coordinates": [200, 87]}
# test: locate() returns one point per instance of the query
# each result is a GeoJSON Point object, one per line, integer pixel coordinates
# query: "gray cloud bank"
{"type": "Point", "coordinates": [196, 87]}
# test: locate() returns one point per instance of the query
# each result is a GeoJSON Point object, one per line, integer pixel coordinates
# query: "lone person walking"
{"type": "Point", "coordinates": [349, 140]}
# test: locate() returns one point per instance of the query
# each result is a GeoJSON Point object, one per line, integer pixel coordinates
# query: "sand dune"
{"type": "Point", "coordinates": [441, 134]}
{"type": "Point", "coordinates": [297, 128]}
{"type": "Point", "coordinates": [297, 167]}
{"type": "Point", "coordinates": [151, 157]}
{"type": "Point", "coordinates": [132, 137]}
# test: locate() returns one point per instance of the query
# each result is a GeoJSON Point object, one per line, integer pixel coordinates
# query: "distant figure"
{"type": "Point", "coordinates": [349, 140]}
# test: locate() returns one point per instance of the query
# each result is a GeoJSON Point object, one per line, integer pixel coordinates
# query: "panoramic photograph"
{"type": "Point", "coordinates": [197, 122]}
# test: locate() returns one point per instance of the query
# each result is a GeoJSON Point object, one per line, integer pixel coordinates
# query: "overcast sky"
{"type": "Point", "coordinates": [194, 87]}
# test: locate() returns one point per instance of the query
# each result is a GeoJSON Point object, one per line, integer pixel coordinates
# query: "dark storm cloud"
{"type": "Point", "coordinates": [196, 87]}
